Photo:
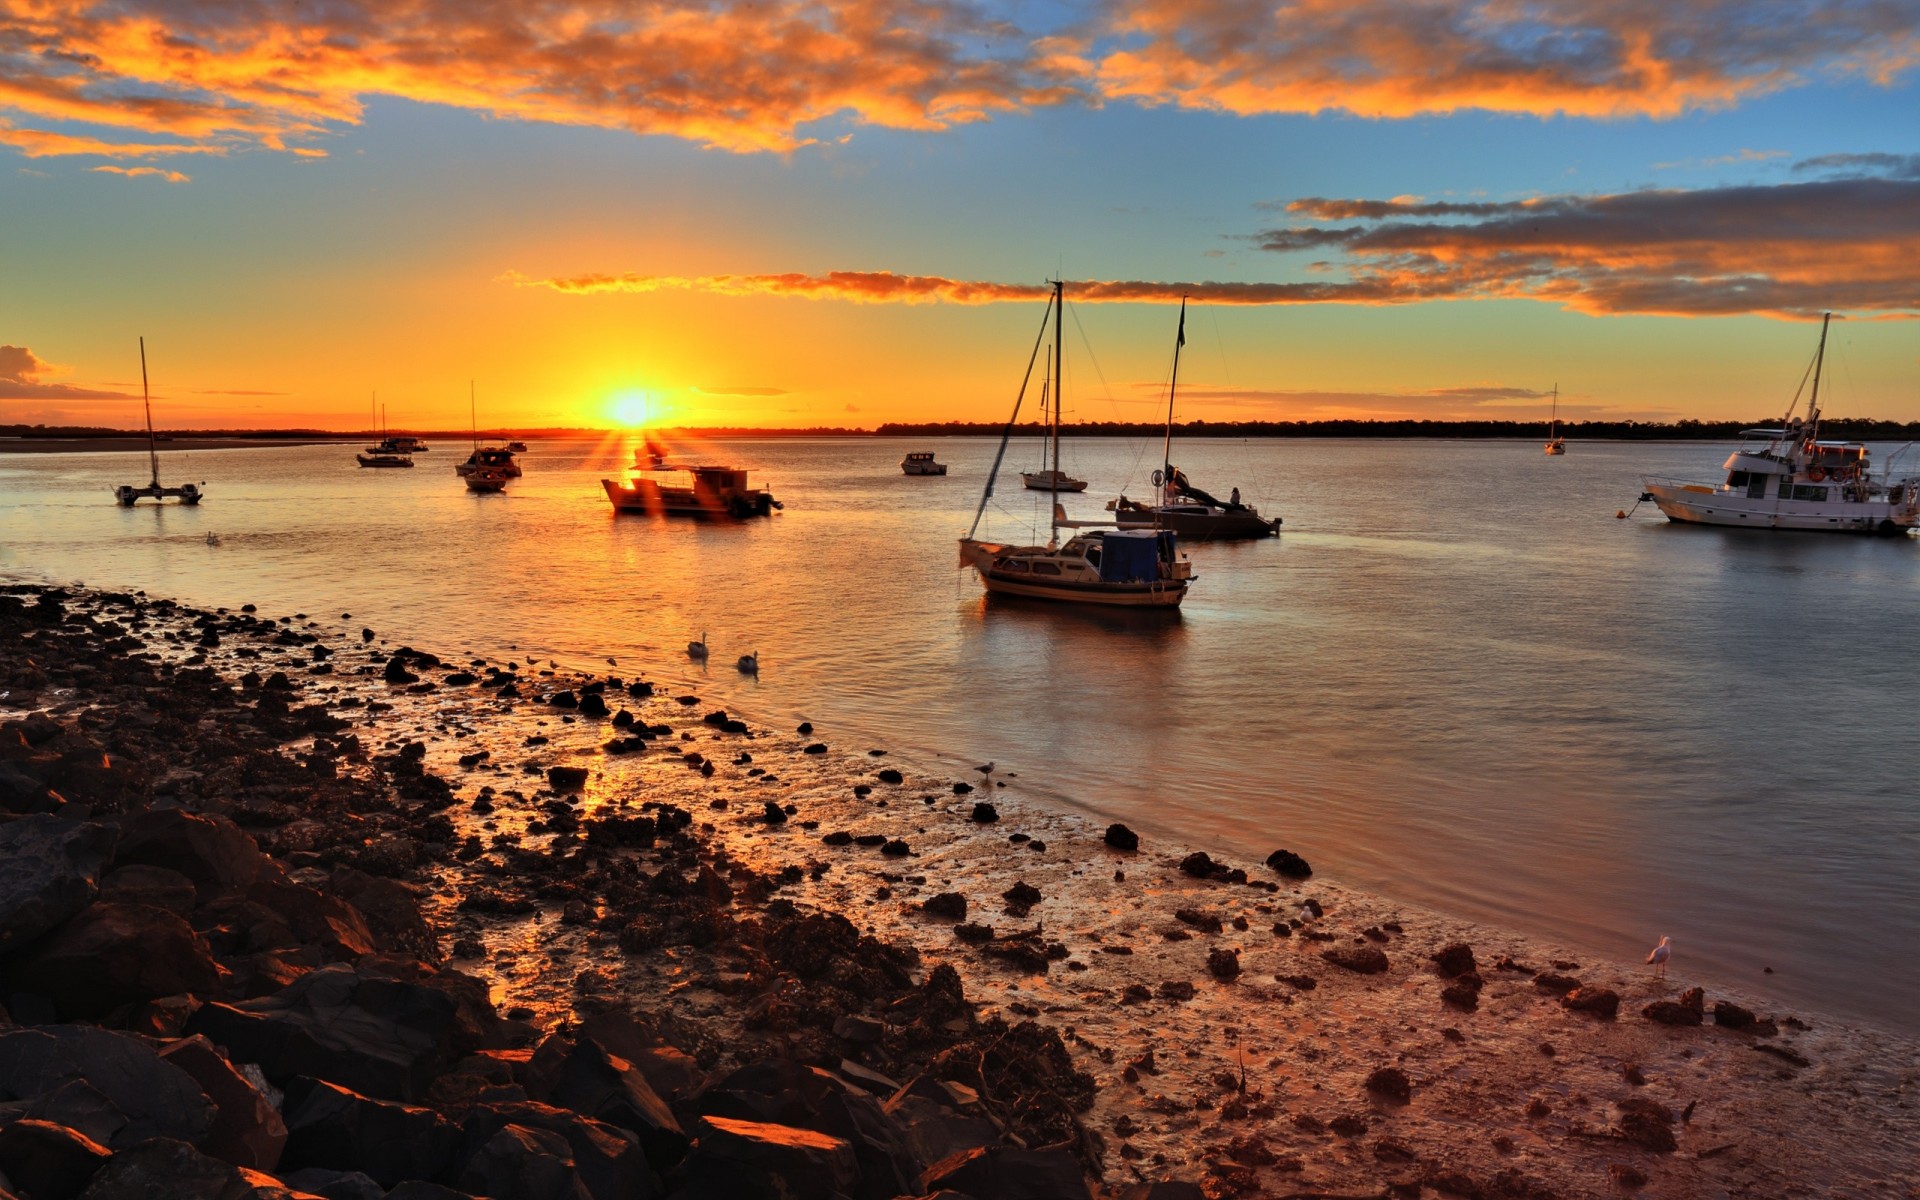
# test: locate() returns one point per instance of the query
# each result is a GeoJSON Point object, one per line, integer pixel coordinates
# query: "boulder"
{"type": "Point", "coordinates": [382, 1037]}
{"type": "Point", "coordinates": [50, 869]}
{"type": "Point", "coordinates": [331, 1126]}
{"type": "Point", "coordinates": [314, 918]}
{"type": "Point", "coordinates": [1454, 959]}
{"type": "Point", "coordinates": [607, 1161]}
{"type": "Point", "coordinates": [753, 1158]}
{"type": "Point", "coordinates": [165, 1169]}
{"type": "Point", "coordinates": [1288, 864]}
{"type": "Point", "coordinates": [115, 954]}
{"type": "Point", "coordinates": [984, 812]}
{"type": "Point", "coordinates": [951, 905]}
{"type": "Point", "coordinates": [212, 851]}
{"type": "Point", "coordinates": [329, 1184]}
{"type": "Point", "coordinates": [1006, 1173]}
{"type": "Point", "coordinates": [391, 911]}
{"type": "Point", "coordinates": [48, 1161]}
{"type": "Point", "coordinates": [1729, 1015]}
{"type": "Point", "coordinates": [1391, 1084]}
{"type": "Point", "coordinates": [157, 887]}
{"type": "Point", "coordinates": [247, 1130]}
{"type": "Point", "coordinates": [608, 1088]}
{"type": "Point", "coordinates": [1362, 960]}
{"type": "Point", "coordinates": [1600, 1002]}
{"type": "Point", "coordinates": [111, 1086]}
{"type": "Point", "coordinates": [566, 779]}
{"type": "Point", "coordinates": [1120, 837]}
{"type": "Point", "coordinates": [520, 1161]}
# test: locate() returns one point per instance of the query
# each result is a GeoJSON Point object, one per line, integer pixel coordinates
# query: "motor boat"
{"type": "Point", "coordinates": [920, 462]}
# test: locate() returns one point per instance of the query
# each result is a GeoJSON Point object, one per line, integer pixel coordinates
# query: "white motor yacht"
{"type": "Point", "coordinates": [1787, 478]}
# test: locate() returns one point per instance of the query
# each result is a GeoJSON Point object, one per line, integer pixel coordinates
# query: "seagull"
{"type": "Point", "coordinates": [698, 650]}
{"type": "Point", "coordinates": [986, 770]}
{"type": "Point", "coordinates": [1660, 955]}
{"type": "Point", "coordinates": [749, 664]}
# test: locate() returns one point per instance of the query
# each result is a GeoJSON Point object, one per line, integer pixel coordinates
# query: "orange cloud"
{"type": "Point", "coordinates": [136, 172]}
{"type": "Point", "coordinates": [1788, 250]}
{"type": "Point", "coordinates": [1404, 58]}
{"type": "Point", "coordinates": [885, 287]}
{"type": "Point", "coordinates": [757, 75]}
{"type": "Point", "coordinates": [20, 372]}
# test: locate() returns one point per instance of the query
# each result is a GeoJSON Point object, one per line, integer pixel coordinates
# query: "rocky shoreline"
{"type": "Point", "coordinates": [287, 911]}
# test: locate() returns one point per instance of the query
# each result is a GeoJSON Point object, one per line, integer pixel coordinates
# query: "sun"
{"type": "Point", "coordinates": [633, 410]}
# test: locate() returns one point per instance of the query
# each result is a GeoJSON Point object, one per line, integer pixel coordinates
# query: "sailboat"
{"type": "Point", "coordinates": [1050, 479]}
{"type": "Point", "coordinates": [391, 452]}
{"type": "Point", "coordinates": [1135, 568]}
{"type": "Point", "coordinates": [1179, 505]}
{"type": "Point", "coordinates": [1555, 443]}
{"type": "Point", "coordinates": [1787, 478]}
{"type": "Point", "coordinates": [488, 468]}
{"type": "Point", "coordinates": [127, 494]}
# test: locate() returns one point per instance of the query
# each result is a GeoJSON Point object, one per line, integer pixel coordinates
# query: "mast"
{"type": "Point", "coordinates": [1553, 423]}
{"type": "Point", "coordinates": [1819, 358]}
{"type": "Point", "coordinates": [1059, 391]}
{"type": "Point", "coordinates": [146, 401]}
{"type": "Point", "coordinates": [473, 417]}
{"type": "Point", "coordinates": [1166, 446]}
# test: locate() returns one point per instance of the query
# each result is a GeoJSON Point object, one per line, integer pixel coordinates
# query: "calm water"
{"type": "Point", "coordinates": [1456, 678]}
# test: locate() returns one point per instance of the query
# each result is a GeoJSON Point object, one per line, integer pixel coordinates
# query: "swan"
{"type": "Point", "coordinates": [749, 664]}
{"type": "Point", "coordinates": [698, 649]}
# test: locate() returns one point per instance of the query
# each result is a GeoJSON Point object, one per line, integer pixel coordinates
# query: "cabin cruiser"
{"type": "Point", "coordinates": [1787, 478]}
{"type": "Point", "coordinates": [374, 456]}
{"type": "Point", "coordinates": [692, 491]}
{"type": "Point", "coordinates": [1052, 480]}
{"type": "Point", "coordinates": [1132, 568]}
{"type": "Point", "coordinates": [407, 445]}
{"type": "Point", "coordinates": [517, 447]}
{"type": "Point", "coordinates": [920, 462]}
{"type": "Point", "coordinates": [486, 479]}
{"type": "Point", "coordinates": [492, 458]}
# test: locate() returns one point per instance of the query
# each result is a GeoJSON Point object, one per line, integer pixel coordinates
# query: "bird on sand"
{"type": "Point", "coordinates": [749, 664]}
{"type": "Point", "coordinates": [698, 650]}
{"type": "Point", "coordinates": [1660, 955]}
{"type": "Point", "coordinates": [986, 769]}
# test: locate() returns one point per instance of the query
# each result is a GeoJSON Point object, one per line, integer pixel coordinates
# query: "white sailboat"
{"type": "Point", "coordinates": [1178, 504]}
{"type": "Point", "coordinates": [1787, 478]}
{"type": "Point", "coordinates": [127, 494]}
{"type": "Point", "coordinates": [1556, 445]}
{"type": "Point", "coordinates": [1133, 568]}
{"type": "Point", "coordinates": [1050, 479]}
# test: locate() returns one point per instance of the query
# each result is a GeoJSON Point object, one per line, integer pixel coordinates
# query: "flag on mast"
{"type": "Point", "coordinates": [1182, 340]}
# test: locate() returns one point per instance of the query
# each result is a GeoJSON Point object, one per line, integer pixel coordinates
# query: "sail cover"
{"type": "Point", "coordinates": [1130, 555]}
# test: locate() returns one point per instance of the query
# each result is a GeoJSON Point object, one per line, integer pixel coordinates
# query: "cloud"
{"type": "Point", "coordinates": [1786, 250]}
{"type": "Point", "coordinates": [764, 75]}
{"type": "Point", "coordinates": [20, 372]}
{"type": "Point", "coordinates": [1890, 166]}
{"type": "Point", "coordinates": [741, 391]}
{"type": "Point", "coordinates": [1584, 58]}
{"type": "Point", "coordinates": [734, 74]}
{"type": "Point", "coordinates": [136, 172]}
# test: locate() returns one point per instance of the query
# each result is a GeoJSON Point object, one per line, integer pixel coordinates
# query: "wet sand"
{"type": "Point", "coordinates": [1221, 1050]}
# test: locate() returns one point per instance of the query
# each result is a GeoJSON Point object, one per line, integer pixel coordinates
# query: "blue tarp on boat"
{"type": "Point", "coordinates": [1133, 555]}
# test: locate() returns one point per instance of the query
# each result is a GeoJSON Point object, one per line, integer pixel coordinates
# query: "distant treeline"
{"type": "Point", "coordinates": [1842, 428]}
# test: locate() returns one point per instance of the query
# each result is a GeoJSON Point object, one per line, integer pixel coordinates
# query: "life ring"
{"type": "Point", "coordinates": [1816, 473]}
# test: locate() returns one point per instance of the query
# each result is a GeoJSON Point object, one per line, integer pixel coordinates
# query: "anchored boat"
{"type": "Point", "coordinates": [1132, 568]}
{"type": "Point", "coordinates": [692, 491]}
{"type": "Point", "coordinates": [1179, 505]}
{"type": "Point", "coordinates": [127, 494]}
{"type": "Point", "coordinates": [1787, 478]}
{"type": "Point", "coordinates": [920, 462]}
{"type": "Point", "coordinates": [1556, 445]}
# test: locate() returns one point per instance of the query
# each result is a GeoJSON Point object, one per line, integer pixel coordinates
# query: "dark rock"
{"type": "Point", "coordinates": [49, 870]}
{"type": "Point", "coordinates": [1120, 837]}
{"type": "Point", "coordinates": [1600, 1002]}
{"type": "Point", "coordinates": [212, 851]}
{"type": "Point", "coordinates": [951, 905]}
{"type": "Point", "coordinates": [1199, 864]}
{"type": "Point", "coordinates": [595, 1083]}
{"type": "Point", "coordinates": [1177, 990]}
{"type": "Point", "coordinates": [1460, 996]}
{"type": "Point", "coordinates": [1289, 864]}
{"type": "Point", "coordinates": [1731, 1016]}
{"type": "Point", "coordinates": [775, 815]}
{"type": "Point", "coordinates": [157, 887]}
{"type": "Point", "coordinates": [115, 954]}
{"type": "Point", "coordinates": [521, 1161]}
{"type": "Point", "coordinates": [1361, 959]}
{"type": "Point", "coordinates": [985, 813]}
{"type": "Point", "coordinates": [1690, 1009]}
{"type": "Point", "coordinates": [1223, 963]}
{"type": "Point", "coordinates": [593, 705]}
{"type": "Point", "coordinates": [1558, 985]}
{"type": "Point", "coordinates": [1454, 959]}
{"type": "Point", "coordinates": [45, 1160]}
{"type": "Point", "coordinates": [1390, 1083]}
{"type": "Point", "coordinates": [396, 671]}
{"type": "Point", "coordinates": [166, 1169]}
{"type": "Point", "coordinates": [1006, 1173]}
{"type": "Point", "coordinates": [1165, 1189]}
{"type": "Point", "coordinates": [753, 1158]}
{"type": "Point", "coordinates": [896, 848]}
{"type": "Point", "coordinates": [889, 775]}
{"type": "Point", "coordinates": [331, 1126]}
{"type": "Point", "coordinates": [606, 1161]}
{"type": "Point", "coordinates": [1647, 1124]}
{"type": "Point", "coordinates": [329, 1184]}
{"type": "Point", "coordinates": [379, 1036]}
{"type": "Point", "coordinates": [961, 789]}
{"type": "Point", "coordinates": [815, 748]}
{"type": "Point", "coordinates": [566, 779]}
{"type": "Point", "coordinates": [1198, 918]}
{"type": "Point", "coordinates": [1021, 898]}
{"type": "Point", "coordinates": [247, 1130]}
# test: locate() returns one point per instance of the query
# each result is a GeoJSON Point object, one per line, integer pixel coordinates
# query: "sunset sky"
{"type": "Point", "coordinates": [845, 212]}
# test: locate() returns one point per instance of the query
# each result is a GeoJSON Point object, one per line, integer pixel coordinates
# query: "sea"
{"type": "Point", "coordinates": [1459, 677]}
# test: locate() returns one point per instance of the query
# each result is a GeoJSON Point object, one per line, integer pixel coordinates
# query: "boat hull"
{"type": "Point", "coordinates": [1142, 595]}
{"type": "Point", "coordinates": [924, 469]}
{"type": "Point", "coordinates": [1195, 527]}
{"type": "Point", "coordinates": [1040, 483]}
{"type": "Point", "coordinates": [1698, 504]}
{"type": "Point", "coordinates": [655, 500]}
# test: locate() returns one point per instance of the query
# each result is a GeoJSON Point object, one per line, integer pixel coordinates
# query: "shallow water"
{"type": "Point", "coordinates": [1455, 679]}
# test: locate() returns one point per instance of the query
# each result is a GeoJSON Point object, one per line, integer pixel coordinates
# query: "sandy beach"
{"type": "Point", "coordinates": [715, 894]}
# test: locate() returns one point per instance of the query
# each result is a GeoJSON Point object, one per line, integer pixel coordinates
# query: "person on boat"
{"type": "Point", "coordinates": [1234, 499]}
